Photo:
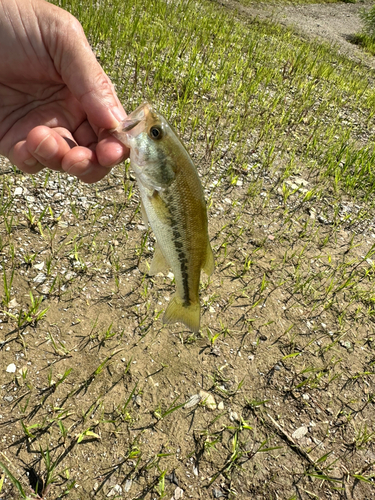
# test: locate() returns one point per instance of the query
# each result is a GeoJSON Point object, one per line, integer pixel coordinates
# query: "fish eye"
{"type": "Point", "coordinates": [156, 132]}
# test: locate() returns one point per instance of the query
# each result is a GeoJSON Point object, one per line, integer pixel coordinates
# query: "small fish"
{"type": "Point", "coordinates": [174, 206]}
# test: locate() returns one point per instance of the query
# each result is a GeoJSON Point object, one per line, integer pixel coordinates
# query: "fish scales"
{"type": "Point", "coordinates": [173, 204]}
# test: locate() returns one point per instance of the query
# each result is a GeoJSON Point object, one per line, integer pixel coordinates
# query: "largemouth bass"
{"type": "Point", "coordinates": [174, 206]}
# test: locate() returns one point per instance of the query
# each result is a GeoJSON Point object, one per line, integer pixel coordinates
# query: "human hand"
{"type": "Point", "coordinates": [56, 102]}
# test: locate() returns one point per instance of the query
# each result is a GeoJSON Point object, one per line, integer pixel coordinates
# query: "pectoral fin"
{"type": "Point", "coordinates": [160, 207]}
{"type": "Point", "coordinates": [158, 264]}
{"type": "Point", "coordinates": [209, 264]}
{"type": "Point", "coordinates": [144, 215]}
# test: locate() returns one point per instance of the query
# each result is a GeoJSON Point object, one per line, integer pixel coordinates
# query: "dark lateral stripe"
{"type": "Point", "coordinates": [182, 260]}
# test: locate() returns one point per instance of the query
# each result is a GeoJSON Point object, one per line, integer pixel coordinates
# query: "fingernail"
{"type": "Point", "coordinates": [31, 162]}
{"type": "Point", "coordinates": [47, 148]}
{"type": "Point", "coordinates": [118, 114]}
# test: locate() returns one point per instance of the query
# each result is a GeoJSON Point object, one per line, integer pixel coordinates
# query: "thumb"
{"type": "Point", "coordinates": [82, 73]}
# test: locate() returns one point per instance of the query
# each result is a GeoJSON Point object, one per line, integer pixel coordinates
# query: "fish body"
{"type": "Point", "coordinates": [174, 206]}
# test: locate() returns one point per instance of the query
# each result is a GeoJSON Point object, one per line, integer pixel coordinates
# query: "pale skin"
{"type": "Point", "coordinates": [56, 102]}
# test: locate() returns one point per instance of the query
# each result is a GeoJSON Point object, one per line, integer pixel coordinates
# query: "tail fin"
{"type": "Point", "coordinates": [189, 315]}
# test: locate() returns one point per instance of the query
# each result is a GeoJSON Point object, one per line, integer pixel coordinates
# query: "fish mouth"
{"type": "Point", "coordinates": [129, 124]}
{"type": "Point", "coordinates": [128, 129]}
{"type": "Point", "coordinates": [136, 117]}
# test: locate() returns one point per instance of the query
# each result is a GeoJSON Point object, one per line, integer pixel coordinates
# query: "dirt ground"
{"type": "Point", "coordinates": [115, 397]}
{"type": "Point", "coordinates": [334, 23]}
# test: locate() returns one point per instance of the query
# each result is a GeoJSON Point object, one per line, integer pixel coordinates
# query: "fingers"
{"type": "Point", "coordinates": [20, 156]}
{"type": "Point", "coordinates": [82, 163]}
{"type": "Point", "coordinates": [49, 146]}
{"type": "Point", "coordinates": [43, 147]}
{"type": "Point", "coordinates": [110, 151]}
{"type": "Point", "coordinates": [90, 166]}
{"type": "Point", "coordinates": [82, 73]}
{"type": "Point", "coordinates": [57, 149]}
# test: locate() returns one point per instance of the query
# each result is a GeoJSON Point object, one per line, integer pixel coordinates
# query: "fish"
{"type": "Point", "coordinates": [173, 204]}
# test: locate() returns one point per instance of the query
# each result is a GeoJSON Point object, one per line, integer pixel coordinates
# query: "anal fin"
{"type": "Point", "coordinates": [159, 263]}
{"type": "Point", "coordinates": [209, 264]}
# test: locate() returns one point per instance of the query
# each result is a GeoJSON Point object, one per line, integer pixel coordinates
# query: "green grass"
{"type": "Point", "coordinates": [364, 41]}
{"type": "Point", "coordinates": [293, 2]}
{"type": "Point", "coordinates": [366, 38]}
{"type": "Point", "coordinates": [282, 132]}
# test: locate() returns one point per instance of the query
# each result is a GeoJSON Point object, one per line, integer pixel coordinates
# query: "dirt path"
{"type": "Point", "coordinates": [335, 23]}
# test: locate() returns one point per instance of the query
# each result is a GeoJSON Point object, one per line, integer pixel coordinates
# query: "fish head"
{"type": "Point", "coordinates": [150, 139]}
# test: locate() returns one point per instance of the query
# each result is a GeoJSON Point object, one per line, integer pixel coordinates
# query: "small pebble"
{"type": "Point", "coordinates": [300, 432]}
{"type": "Point", "coordinates": [39, 278]}
{"type": "Point", "coordinates": [13, 303]}
{"type": "Point", "coordinates": [138, 400]}
{"type": "Point", "coordinates": [218, 493]}
{"type": "Point", "coordinates": [215, 350]}
{"type": "Point", "coordinates": [11, 368]}
{"type": "Point", "coordinates": [115, 490]}
{"type": "Point", "coordinates": [128, 485]}
{"type": "Point", "coordinates": [194, 400]}
{"type": "Point", "coordinates": [208, 400]}
{"type": "Point", "coordinates": [233, 416]}
{"type": "Point", "coordinates": [178, 493]}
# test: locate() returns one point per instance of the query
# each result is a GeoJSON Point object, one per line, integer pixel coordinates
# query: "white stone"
{"type": "Point", "coordinates": [233, 416]}
{"type": "Point", "coordinates": [178, 493]}
{"type": "Point", "coordinates": [115, 490]}
{"type": "Point", "coordinates": [208, 400]}
{"type": "Point", "coordinates": [194, 400]}
{"type": "Point", "coordinates": [40, 278]}
{"type": "Point", "coordinates": [300, 432]}
{"type": "Point", "coordinates": [11, 368]}
{"type": "Point", "coordinates": [13, 303]}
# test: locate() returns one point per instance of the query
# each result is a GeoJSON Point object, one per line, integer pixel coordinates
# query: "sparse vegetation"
{"type": "Point", "coordinates": [103, 400]}
{"type": "Point", "coordinates": [366, 38]}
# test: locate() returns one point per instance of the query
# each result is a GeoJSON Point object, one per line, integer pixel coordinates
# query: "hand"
{"type": "Point", "coordinates": [56, 102]}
